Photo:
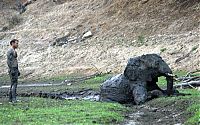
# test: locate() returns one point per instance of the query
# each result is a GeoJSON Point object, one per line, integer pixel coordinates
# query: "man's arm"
{"type": "Point", "coordinates": [11, 63]}
{"type": "Point", "coordinates": [10, 57]}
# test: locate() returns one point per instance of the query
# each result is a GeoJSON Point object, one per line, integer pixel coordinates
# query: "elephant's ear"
{"type": "Point", "coordinates": [130, 73]}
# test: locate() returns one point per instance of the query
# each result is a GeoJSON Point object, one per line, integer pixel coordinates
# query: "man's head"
{"type": "Point", "coordinates": [14, 43]}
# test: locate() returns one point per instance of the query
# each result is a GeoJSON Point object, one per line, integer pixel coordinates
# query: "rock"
{"type": "Point", "coordinates": [64, 46]}
{"type": "Point", "coordinates": [87, 35]}
{"type": "Point", "coordinates": [144, 1]}
{"type": "Point", "coordinates": [60, 41]}
{"type": "Point", "coordinates": [69, 84]}
{"type": "Point", "coordinates": [3, 28]}
{"type": "Point", "coordinates": [73, 39]}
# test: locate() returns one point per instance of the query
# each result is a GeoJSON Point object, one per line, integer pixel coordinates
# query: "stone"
{"type": "Point", "coordinates": [60, 41]}
{"type": "Point", "coordinates": [87, 35]}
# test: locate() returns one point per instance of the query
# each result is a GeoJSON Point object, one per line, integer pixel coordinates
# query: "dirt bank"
{"type": "Point", "coordinates": [121, 29]}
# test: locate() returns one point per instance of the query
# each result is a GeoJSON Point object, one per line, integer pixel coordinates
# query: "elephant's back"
{"type": "Point", "coordinates": [116, 89]}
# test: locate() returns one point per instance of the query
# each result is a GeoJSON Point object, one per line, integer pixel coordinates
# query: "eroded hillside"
{"type": "Point", "coordinates": [121, 29]}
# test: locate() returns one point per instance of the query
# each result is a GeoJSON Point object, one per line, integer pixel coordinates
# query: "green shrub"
{"type": "Point", "coordinates": [141, 40]}
{"type": "Point", "coordinates": [163, 49]}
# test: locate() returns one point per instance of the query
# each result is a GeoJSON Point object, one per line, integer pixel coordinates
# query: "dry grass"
{"type": "Point", "coordinates": [116, 26]}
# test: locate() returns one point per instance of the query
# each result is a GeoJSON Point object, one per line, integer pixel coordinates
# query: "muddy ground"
{"type": "Point", "coordinates": [161, 111]}
{"type": "Point", "coordinates": [153, 113]}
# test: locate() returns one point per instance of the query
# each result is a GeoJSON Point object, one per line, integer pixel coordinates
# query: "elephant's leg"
{"type": "Point", "coordinates": [139, 94]}
{"type": "Point", "coordinates": [155, 94]}
{"type": "Point", "coordinates": [152, 85]}
{"type": "Point", "coordinates": [154, 91]}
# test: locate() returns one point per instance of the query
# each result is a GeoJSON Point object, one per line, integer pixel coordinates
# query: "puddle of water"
{"type": "Point", "coordinates": [70, 98]}
{"type": "Point", "coordinates": [92, 97]}
{"type": "Point", "coordinates": [79, 97]}
{"type": "Point", "coordinates": [33, 85]}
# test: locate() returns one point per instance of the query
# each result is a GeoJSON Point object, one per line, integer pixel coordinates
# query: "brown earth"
{"type": "Point", "coordinates": [156, 112]}
{"type": "Point", "coordinates": [121, 29]}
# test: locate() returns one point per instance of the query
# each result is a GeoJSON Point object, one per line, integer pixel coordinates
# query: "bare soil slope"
{"type": "Point", "coordinates": [121, 29]}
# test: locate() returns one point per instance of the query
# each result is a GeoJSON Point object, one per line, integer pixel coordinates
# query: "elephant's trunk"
{"type": "Point", "coordinates": [169, 79]}
{"type": "Point", "coordinates": [167, 72]}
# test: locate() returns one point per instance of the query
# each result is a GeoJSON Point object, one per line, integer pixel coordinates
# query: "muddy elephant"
{"type": "Point", "coordinates": [139, 78]}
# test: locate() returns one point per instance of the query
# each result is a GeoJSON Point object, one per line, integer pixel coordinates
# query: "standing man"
{"type": "Point", "coordinates": [13, 69]}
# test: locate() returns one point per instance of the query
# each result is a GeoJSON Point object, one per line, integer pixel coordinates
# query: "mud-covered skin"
{"type": "Point", "coordinates": [116, 89]}
{"type": "Point", "coordinates": [139, 78]}
{"type": "Point", "coordinates": [13, 73]}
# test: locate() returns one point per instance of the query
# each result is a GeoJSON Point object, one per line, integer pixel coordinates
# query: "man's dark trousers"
{"type": "Point", "coordinates": [14, 81]}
